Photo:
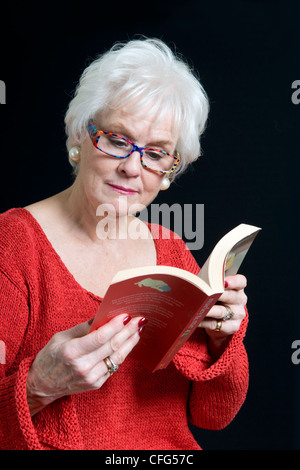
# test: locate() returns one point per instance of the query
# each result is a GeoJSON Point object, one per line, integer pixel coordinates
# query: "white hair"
{"type": "Point", "coordinates": [143, 74]}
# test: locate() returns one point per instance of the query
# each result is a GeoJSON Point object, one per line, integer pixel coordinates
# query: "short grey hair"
{"type": "Point", "coordinates": [147, 75]}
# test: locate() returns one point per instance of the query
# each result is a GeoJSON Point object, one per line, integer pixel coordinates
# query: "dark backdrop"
{"type": "Point", "coordinates": [247, 56]}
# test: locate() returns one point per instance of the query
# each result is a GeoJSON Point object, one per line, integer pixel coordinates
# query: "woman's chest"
{"type": "Point", "coordinates": [93, 269]}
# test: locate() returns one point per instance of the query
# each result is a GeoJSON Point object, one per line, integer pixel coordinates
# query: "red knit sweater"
{"type": "Point", "coordinates": [134, 409]}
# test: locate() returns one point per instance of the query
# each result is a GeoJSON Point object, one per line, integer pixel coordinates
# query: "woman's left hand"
{"type": "Point", "coordinates": [231, 304]}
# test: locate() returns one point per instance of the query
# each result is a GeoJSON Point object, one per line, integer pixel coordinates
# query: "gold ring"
{"type": "Point", "coordinates": [111, 366]}
{"type": "Point", "coordinates": [219, 325]}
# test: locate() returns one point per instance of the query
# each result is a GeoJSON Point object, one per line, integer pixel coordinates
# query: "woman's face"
{"type": "Point", "coordinates": [123, 183]}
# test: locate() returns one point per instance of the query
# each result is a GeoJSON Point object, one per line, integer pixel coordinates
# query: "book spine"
{"type": "Point", "coordinates": [187, 332]}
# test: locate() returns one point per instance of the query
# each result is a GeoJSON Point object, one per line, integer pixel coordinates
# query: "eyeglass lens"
{"type": "Point", "coordinates": [116, 146]}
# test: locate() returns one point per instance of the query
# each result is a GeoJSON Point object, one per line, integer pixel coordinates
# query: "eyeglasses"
{"type": "Point", "coordinates": [115, 145]}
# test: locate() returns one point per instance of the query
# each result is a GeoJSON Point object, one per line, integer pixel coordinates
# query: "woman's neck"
{"type": "Point", "coordinates": [96, 223]}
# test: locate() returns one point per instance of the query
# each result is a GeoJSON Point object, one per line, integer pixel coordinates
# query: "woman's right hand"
{"type": "Point", "coordinates": [73, 361]}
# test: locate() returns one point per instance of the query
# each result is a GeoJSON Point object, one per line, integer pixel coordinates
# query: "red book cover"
{"type": "Point", "coordinates": [173, 300]}
{"type": "Point", "coordinates": [173, 306]}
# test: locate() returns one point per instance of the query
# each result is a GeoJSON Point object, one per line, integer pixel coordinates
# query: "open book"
{"type": "Point", "coordinates": [173, 300]}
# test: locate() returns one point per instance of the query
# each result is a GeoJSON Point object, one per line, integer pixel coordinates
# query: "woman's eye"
{"type": "Point", "coordinates": [154, 155]}
{"type": "Point", "coordinates": [120, 143]}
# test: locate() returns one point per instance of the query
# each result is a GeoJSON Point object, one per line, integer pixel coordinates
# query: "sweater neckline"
{"type": "Point", "coordinates": [33, 221]}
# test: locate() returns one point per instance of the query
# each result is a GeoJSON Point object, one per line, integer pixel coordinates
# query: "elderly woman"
{"type": "Point", "coordinates": [133, 126]}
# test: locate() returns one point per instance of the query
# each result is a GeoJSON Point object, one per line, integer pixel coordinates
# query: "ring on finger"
{"type": "Point", "coordinates": [219, 325]}
{"type": "Point", "coordinates": [111, 366]}
{"type": "Point", "coordinates": [229, 314]}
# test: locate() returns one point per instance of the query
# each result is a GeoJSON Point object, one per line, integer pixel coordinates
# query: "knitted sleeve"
{"type": "Point", "coordinates": [219, 388]}
{"type": "Point", "coordinates": [57, 423]}
{"type": "Point", "coordinates": [16, 428]}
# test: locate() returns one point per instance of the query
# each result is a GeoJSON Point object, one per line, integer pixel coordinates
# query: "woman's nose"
{"type": "Point", "coordinates": [132, 164]}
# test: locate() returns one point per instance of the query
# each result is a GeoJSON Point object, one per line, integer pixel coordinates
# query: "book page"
{"type": "Point", "coordinates": [237, 254]}
{"type": "Point", "coordinates": [228, 255]}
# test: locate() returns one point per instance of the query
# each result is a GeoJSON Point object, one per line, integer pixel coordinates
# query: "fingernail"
{"type": "Point", "coordinates": [226, 284]}
{"type": "Point", "coordinates": [91, 321]}
{"type": "Point", "coordinates": [127, 319]}
{"type": "Point", "coordinates": [142, 321]}
{"type": "Point", "coordinates": [141, 329]}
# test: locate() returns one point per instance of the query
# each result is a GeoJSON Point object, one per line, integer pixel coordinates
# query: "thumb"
{"type": "Point", "coordinates": [77, 331]}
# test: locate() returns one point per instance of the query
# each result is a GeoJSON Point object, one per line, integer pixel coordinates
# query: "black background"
{"type": "Point", "coordinates": [247, 55]}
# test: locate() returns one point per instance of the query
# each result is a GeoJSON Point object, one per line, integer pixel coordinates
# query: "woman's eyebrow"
{"type": "Point", "coordinates": [119, 128]}
{"type": "Point", "coordinates": [162, 143]}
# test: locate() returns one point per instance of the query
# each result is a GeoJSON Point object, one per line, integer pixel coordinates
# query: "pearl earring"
{"type": "Point", "coordinates": [74, 154]}
{"type": "Point", "coordinates": [165, 184]}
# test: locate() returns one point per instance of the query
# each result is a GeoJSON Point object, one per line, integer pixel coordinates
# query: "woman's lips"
{"type": "Point", "coordinates": [121, 189]}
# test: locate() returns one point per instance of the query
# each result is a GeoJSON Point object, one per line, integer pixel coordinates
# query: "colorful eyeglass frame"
{"type": "Point", "coordinates": [96, 134]}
